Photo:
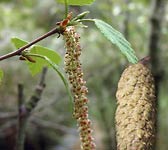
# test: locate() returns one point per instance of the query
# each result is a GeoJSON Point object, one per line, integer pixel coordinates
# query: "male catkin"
{"type": "Point", "coordinates": [136, 112]}
{"type": "Point", "coordinates": [73, 68]}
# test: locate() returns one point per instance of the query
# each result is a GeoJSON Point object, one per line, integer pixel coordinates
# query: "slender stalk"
{"type": "Point", "coordinates": [21, 134]}
{"type": "Point", "coordinates": [18, 52]}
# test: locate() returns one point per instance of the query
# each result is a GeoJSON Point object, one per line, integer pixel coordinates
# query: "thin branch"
{"type": "Point", "coordinates": [31, 104]}
{"type": "Point", "coordinates": [43, 75]}
{"type": "Point", "coordinates": [58, 30]}
{"type": "Point", "coordinates": [21, 119]}
{"type": "Point", "coordinates": [26, 109]}
{"type": "Point", "coordinates": [20, 96]}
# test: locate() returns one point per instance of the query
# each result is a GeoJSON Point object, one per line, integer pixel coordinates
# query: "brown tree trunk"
{"type": "Point", "coordinates": [158, 10]}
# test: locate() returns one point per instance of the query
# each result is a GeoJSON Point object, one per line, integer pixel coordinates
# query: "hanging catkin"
{"type": "Point", "coordinates": [135, 114]}
{"type": "Point", "coordinates": [79, 89]}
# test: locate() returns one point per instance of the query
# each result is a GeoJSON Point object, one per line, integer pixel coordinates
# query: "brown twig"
{"type": "Point", "coordinates": [58, 30]}
{"type": "Point", "coordinates": [31, 104]}
{"type": "Point", "coordinates": [145, 60]}
{"type": "Point", "coordinates": [25, 109]}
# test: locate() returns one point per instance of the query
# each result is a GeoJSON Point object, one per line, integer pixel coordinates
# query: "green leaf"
{"type": "Point", "coordinates": [1, 75]}
{"type": "Point", "coordinates": [40, 63]}
{"type": "Point", "coordinates": [18, 42]}
{"type": "Point", "coordinates": [118, 39]}
{"type": "Point", "coordinates": [77, 2]}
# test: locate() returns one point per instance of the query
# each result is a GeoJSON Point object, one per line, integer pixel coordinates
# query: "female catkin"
{"type": "Point", "coordinates": [136, 112]}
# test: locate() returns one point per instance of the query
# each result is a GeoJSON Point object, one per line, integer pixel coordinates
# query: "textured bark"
{"type": "Point", "coordinates": [135, 114]}
{"type": "Point", "coordinates": [154, 39]}
{"type": "Point", "coordinates": [156, 20]}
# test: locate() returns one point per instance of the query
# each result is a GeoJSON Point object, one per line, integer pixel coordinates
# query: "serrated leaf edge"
{"type": "Point", "coordinates": [131, 55]}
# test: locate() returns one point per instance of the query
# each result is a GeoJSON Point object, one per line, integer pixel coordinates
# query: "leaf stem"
{"type": "Point", "coordinates": [18, 52]}
{"type": "Point", "coordinates": [87, 20]}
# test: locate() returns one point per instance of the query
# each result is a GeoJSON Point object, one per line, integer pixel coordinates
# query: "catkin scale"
{"type": "Point", "coordinates": [136, 112]}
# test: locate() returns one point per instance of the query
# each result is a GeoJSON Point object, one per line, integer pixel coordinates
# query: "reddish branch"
{"type": "Point", "coordinates": [58, 30]}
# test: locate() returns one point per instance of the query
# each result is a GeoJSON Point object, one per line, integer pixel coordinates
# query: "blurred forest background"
{"type": "Point", "coordinates": [144, 23]}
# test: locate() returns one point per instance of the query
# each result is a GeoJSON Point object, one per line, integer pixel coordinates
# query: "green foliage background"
{"type": "Point", "coordinates": [102, 63]}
